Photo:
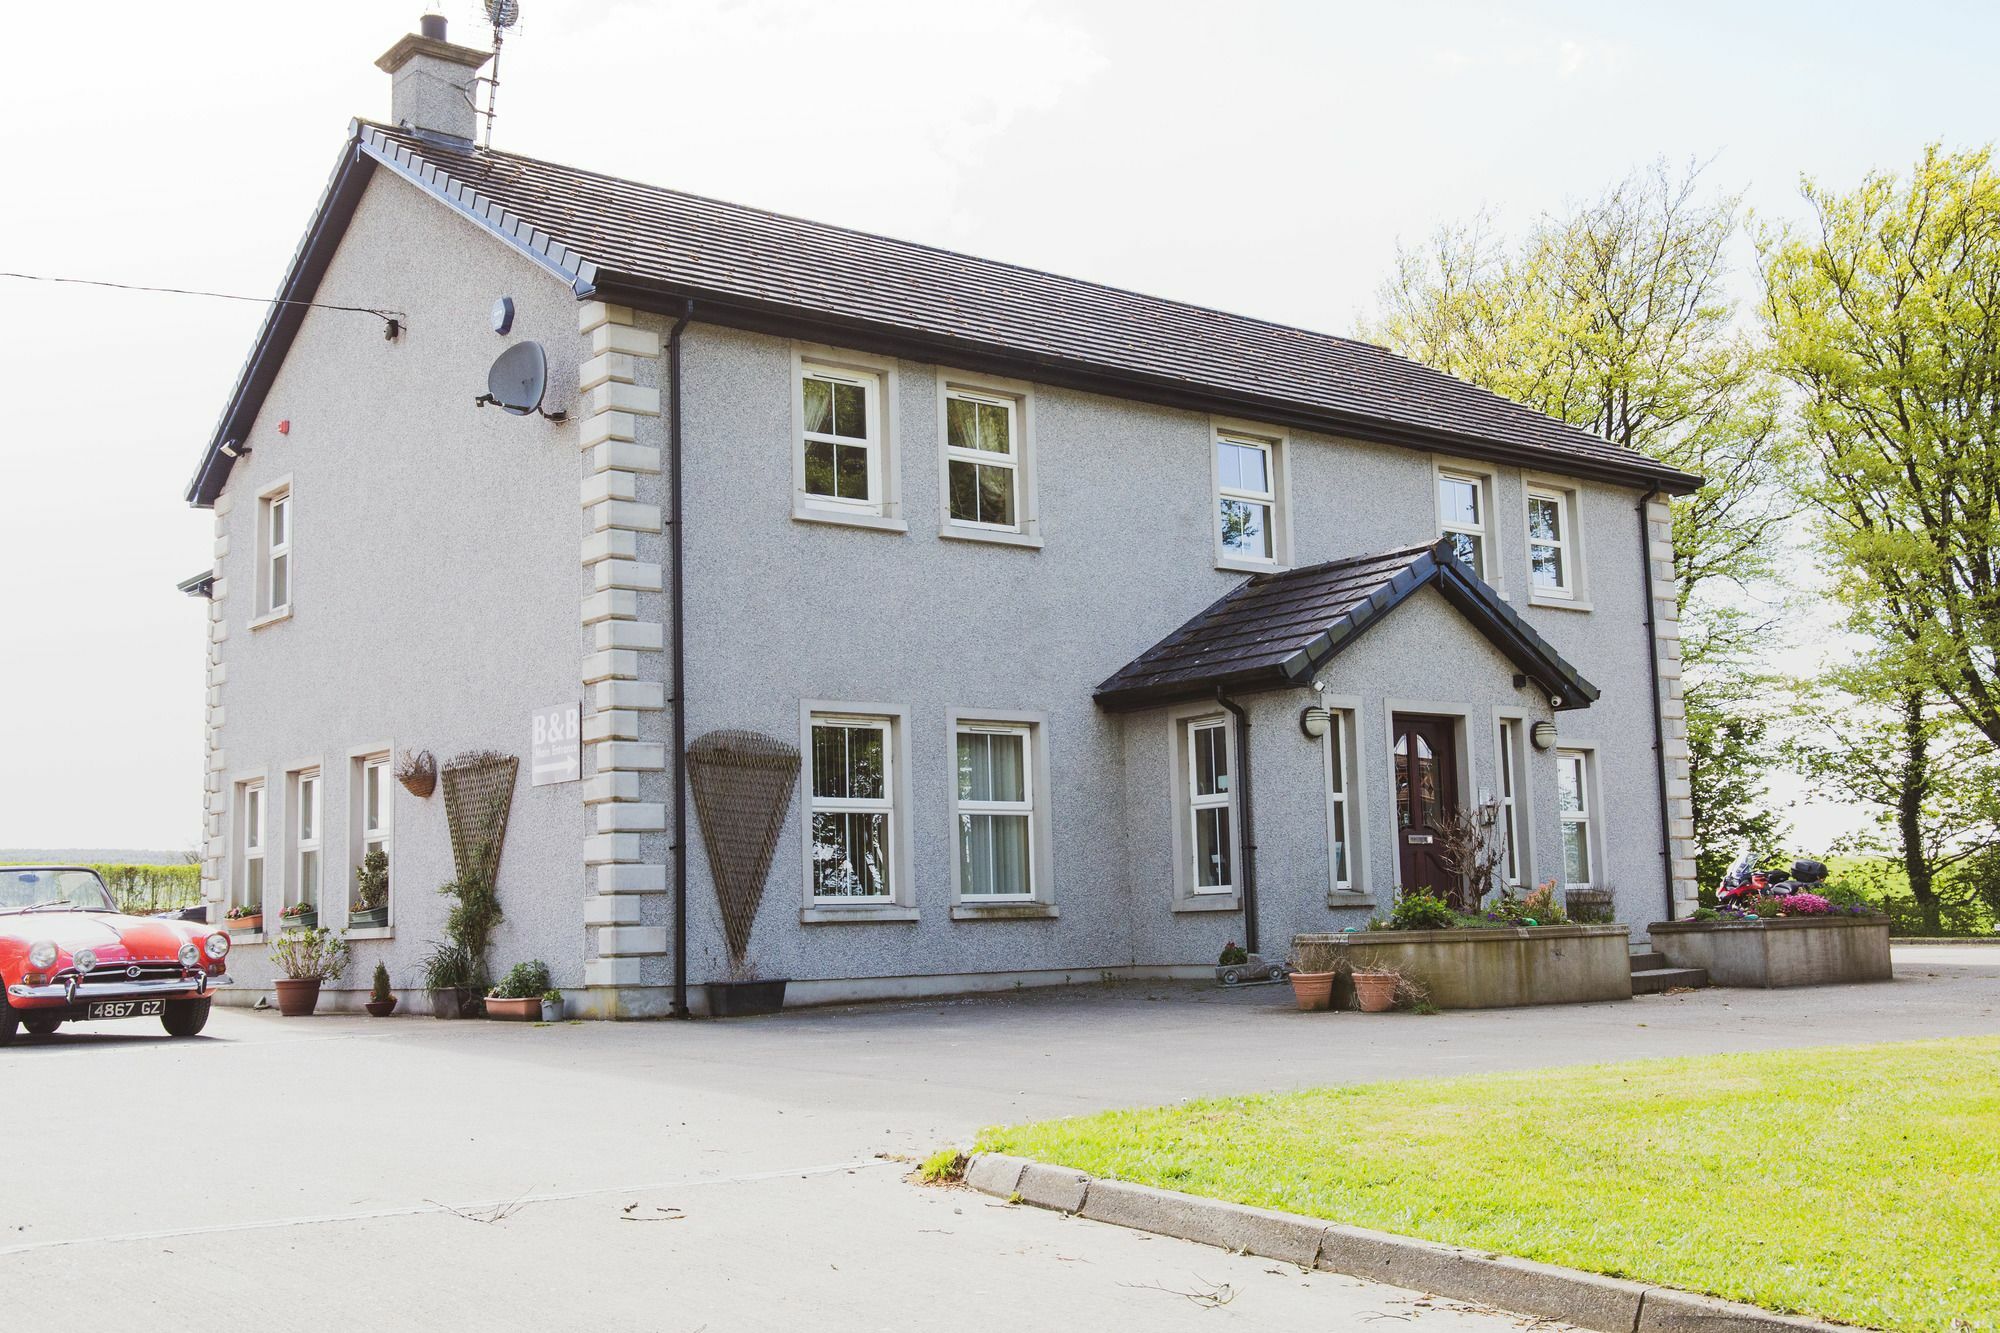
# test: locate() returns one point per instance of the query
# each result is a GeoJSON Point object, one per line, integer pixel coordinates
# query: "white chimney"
{"type": "Point", "coordinates": [431, 81]}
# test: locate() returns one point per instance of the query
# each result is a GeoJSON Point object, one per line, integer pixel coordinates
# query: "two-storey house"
{"type": "Point", "coordinates": [1100, 629]}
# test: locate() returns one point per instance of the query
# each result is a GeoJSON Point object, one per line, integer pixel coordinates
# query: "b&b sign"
{"type": "Point", "coordinates": [555, 751]}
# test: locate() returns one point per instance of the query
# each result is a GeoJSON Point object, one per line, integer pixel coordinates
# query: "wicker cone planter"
{"type": "Point", "coordinates": [1375, 992]}
{"type": "Point", "coordinates": [1313, 990]}
{"type": "Point", "coordinates": [297, 998]}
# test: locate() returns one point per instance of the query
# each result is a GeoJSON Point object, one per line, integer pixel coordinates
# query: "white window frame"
{"type": "Point", "coordinates": [369, 763]}
{"type": "Point", "coordinates": [253, 818]}
{"type": "Point", "coordinates": [1018, 399]}
{"type": "Point", "coordinates": [1510, 769]}
{"type": "Point", "coordinates": [877, 378]}
{"type": "Point", "coordinates": [1039, 900]}
{"type": "Point", "coordinates": [1180, 788]}
{"type": "Point", "coordinates": [1276, 499]}
{"type": "Point", "coordinates": [899, 903]}
{"type": "Point", "coordinates": [1481, 480]}
{"type": "Point", "coordinates": [270, 500]}
{"type": "Point", "coordinates": [1591, 817]}
{"type": "Point", "coordinates": [1573, 595]}
{"type": "Point", "coordinates": [307, 790]}
{"type": "Point", "coordinates": [1345, 803]}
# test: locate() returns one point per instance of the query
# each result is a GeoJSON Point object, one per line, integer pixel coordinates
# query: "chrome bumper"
{"type": "Point", "coordinates": [69, 992]}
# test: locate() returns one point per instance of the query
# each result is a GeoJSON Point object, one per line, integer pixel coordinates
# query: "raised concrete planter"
{"type": "Point", "coordinates": [1786, 951]}
{"type": "Point", "coordinates": [1496, 969]}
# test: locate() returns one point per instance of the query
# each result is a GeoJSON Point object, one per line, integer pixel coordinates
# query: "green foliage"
{"type": "Point", "coordinates": [473, 916]}
{"type": "Point", "coordinates": [1420, 909]}
{"type": "Point", "coordinates": [379, 989]}
{"type": "Point", "coordinates": [371, 880]}
{"type": "Point", "coordinates": [1729, 756]}
{"type": "Point", "coordinates": [450, 966]}
{"type": "Point", "coordinates": [524, 981]}
{"type": "Point", "coordinates": [1706, 914]}
{"type": "Point", "coordinates": [1539, 908]}
{"type": "Point", "coordinates": [140, 889]}
{"type": "Point", "coordinates": [944, 1167]}
{"type": "Point", "coordinates": [1233, 955]}
{"type": "Point", "coordinates": [313, 952]}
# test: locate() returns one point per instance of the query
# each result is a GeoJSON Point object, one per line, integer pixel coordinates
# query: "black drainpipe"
{"type": "Point", "coordinates": [1659, 720]}
{"type": "Point", "coordinates": [677, 614]}
{"type": "Point", "coordinates": [1249, 820]}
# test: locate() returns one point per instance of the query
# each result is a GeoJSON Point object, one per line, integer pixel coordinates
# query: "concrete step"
{"type": "Point", "coordinates": [1653, 980]}
{"type": "Point", "coordinates": [1647, 960]}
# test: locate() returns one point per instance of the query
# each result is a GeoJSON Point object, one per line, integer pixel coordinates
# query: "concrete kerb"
{"type": "Point", "coordinates": [1545, 1291]}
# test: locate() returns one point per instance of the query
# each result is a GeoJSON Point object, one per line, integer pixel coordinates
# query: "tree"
{"type": "Point", "coordinates": [1886, 316]}
{"type": "Point", "coordinates": [1615, 317]}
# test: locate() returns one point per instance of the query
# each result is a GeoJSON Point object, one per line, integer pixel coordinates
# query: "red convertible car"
{"type": "Point", "coordinates": [67, 954]}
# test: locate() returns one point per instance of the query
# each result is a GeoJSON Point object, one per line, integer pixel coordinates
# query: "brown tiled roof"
{"type": "Point", "coordinates": [1277, 630]}
{"type": "Point", "coordinates": [644, 245]}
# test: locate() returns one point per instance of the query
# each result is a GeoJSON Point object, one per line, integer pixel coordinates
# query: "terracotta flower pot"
{"type": "Point", "coordinates": [1313, 990]}
{"type": "Point", "coordinates": [1375, 992]}
{"type": "Point", "coordinates": [514, 1011]}
{"type": "Point", "coordinates": [297, 998]}
{"type": "Point", "coordinates": [381, 1008]}
{"type": "Point", "coordinates": [245, 924]}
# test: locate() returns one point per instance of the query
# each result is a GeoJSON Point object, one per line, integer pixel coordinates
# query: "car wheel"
{"type": "Point", "coordinates": [41, 1027]}
{"type": "Point", "coordinates": [8, 1018]}
{"type": "Point", "coordinates": [185, 1018]}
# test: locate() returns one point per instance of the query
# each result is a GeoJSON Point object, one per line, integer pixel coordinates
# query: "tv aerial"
{"type": "Point", "coordinates": [518, 380]}
{"type": "Point", "coordinates": [501, 15]}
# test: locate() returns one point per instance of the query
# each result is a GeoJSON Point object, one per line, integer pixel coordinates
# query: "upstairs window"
{"type": "Point", "coordinates": [1551, 543]}
{"type": "Point", "coordinates": [842, 439]}
{"type": "Point", "coordinates": [1248, 522]}
{"type": "Point", "coordinates": [274, 559]}
{"type": "Point", "coordinates": [983, 460]}
{"type": "Point", "coordinates": [1462, 517]}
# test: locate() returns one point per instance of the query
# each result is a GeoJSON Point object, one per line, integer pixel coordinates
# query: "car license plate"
{"type": "Point", "coordinates": [124, 1009]}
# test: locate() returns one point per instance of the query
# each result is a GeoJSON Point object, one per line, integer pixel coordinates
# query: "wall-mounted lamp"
{"type": "Point", "coordinates": [1489, 807]}
{"type": "Point", "coordinates": [1314, 721]}
{"type": "Point", "coordinates": [1543, 734]}
{"type": "Point", "coordinates": [234, 449]}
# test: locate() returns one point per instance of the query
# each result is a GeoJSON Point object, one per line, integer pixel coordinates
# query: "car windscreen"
{"type": "Point", "coordinates": [52, 890]}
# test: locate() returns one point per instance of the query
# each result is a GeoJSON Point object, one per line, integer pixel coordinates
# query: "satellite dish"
{"type": "Point", "coordinates": [517, 381]}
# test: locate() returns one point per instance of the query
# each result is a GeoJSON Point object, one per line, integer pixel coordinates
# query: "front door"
{"type": "Point", "coordinates": [1426, 794]}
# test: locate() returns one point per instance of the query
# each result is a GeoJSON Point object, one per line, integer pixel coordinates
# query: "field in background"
{"type": "Point", "coordinates": [1966, 910]}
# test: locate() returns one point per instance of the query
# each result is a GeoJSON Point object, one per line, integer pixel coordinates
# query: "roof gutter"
{"type": "Point", "coordinates": [678, 632]}
{"type": "Point", "coordinates": [1659, 718]}
{"type": "Point", "coordinates": [1245, 817]}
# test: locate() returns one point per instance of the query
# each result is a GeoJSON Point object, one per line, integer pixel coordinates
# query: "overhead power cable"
{"type": "Point", "coordinates": [394, 318]}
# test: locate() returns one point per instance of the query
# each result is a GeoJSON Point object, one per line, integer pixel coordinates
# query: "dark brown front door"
{"type": "Point", "coordinates": [1426, 792]}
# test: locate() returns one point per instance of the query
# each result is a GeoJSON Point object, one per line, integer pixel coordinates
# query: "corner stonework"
{"type": "Point", "coordinates": [215, 794]}
{"type": "Point", "coordinates": [624, 719]}
{"type": "Point", "coordinates": [1673, 709]}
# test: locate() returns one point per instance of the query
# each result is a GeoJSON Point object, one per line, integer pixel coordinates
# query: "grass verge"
{"type": "Point", "coordinates": [1858, 1183]}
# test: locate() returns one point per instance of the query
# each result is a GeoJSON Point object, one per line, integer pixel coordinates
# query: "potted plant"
{"type": "Point", "coordinates": [552, 1006]}
{"type": "Point", "coordinates": [371, 891]}
{"type": "Point", "coordinates": [244, 919]}
{"type": "Point", "coordinates": [381, 1000]}
{"type": "Point", "coordinates": [1313, 968]}
{"type": "Point", "coordinates": [452, 979]}
{"type": "Point", "coordinates": [306, 957]}
{"type": "Point", "coordinates": [299, 916]}
{"type": "Point", "coordinates": [1375, 989]}
{"type": "Point", "coordinates": [518, 997]}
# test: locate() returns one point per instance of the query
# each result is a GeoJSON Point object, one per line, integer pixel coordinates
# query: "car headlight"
{"type": "Point", "coordinates": [42, 954]}
{"type": "Point", "coordinates": [84, 959]}
{"type": "Point", "coordinates": [190, 954]}
{"type": "Point", "coordinates": [218, 944]}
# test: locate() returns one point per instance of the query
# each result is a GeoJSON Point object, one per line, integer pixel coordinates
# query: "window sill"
{"type": "Point", "coordinates": [237, 937]}
{"type": "Point", "coordinates": [859, 914]}
{"type": "Point", "coordinates": [369, 933]}
{"type": "Point", "coordinates": [802, 513]}
{"type": "Point", "coordinates": [283, 613]}
{"type": "Point", "coordinates": [1219, 902]}
{"type": "Point", "coordinates": [1349, 898]}
{"type": "Point", "coordinates": [1251, 566]}
{"type": "Point", "coordinates": [953, 532]}
{"type": "Point", "coordinates": [970, 911]}
{"type": "Point", "coordinates": [1558, 603]}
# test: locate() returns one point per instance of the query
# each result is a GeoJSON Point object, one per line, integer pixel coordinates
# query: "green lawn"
{"type": "Point", "coordinates": [1860, 1183]}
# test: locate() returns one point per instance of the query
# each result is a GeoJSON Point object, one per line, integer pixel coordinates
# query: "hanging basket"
{"type": "Point", "coordinates": [418, 773]}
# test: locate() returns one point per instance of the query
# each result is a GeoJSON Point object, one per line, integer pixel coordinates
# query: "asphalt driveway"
{"type": "Point", "coordinates": [404, 1173]}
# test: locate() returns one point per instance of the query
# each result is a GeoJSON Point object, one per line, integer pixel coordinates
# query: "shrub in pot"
{"type": "Point", "coordinates": [1313, 969]}
{"type": "Point", "coordinates": [519, 995]}
{"type": "Point", "coordinates": [1375, 991]}
{"type": "Point", "coordinates": [552, 1006]}
{"type": "Point", "coordinates": [381, 999]}
{"type": "Point", "coordinates": [452, 978]}
{"type": "Point", "coordinates": [371, 891]}
{"type": "Point", "coordinates": [306, 958]}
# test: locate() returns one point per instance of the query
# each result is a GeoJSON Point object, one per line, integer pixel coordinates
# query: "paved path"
{"type": "Point", "coordinates": [294, 1168]}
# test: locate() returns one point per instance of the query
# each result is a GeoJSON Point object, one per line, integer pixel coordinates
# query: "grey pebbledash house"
{"type": "Point", "coordinates": [1102, 629]}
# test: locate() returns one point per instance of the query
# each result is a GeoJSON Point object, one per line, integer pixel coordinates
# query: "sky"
{"type": "Point", "coordinates": [1258, 156]}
